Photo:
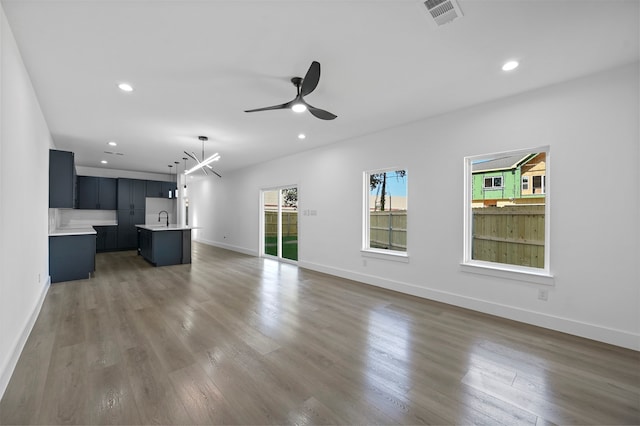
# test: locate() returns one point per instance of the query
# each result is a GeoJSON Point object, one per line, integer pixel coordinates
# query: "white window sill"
{"type": "Point", "coordinates": [530, 275]}
{"type": "Point", "coordinates": [394, 256]}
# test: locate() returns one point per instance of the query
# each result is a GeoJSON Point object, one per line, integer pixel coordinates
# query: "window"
{"type": "Point", "coordinates": [385, 216]}
{"type": "Point", "coordinates": [280, 222]}
{"type": "Point", "coordinates": [494, 182]}
{"type": "Point", "coordinates": [538, 184]}
{"type": "Point", "coordinates": [511, 232]}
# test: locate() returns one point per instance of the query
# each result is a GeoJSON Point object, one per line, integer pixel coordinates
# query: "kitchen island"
{"type": "Point", "coordinates": [163, 245]}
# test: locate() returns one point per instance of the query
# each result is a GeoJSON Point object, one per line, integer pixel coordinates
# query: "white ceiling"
{"type": "Point", "coordinates": [196, 65]}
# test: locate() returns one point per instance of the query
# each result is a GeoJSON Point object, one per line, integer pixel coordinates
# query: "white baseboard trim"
{"type": "Point", "coordinates": [7, 369]}
{"type": "Point", "coordinates": [565, 325]}
{"type": "Point", "coordinates": [227, 246]}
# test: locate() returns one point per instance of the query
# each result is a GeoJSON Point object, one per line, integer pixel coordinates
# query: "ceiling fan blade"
{"type": "Point", "coordinates": [282, 106]}
{"type": "Point", "coordinates": [310, 80]}
{"type": "Point", "coordinates": [320, 113]}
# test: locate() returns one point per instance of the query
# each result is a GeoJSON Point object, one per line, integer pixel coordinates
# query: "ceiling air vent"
{"type": "Point", "coordinates": [443, 11]}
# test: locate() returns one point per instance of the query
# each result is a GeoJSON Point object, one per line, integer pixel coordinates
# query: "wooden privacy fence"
{"type": "Point", "coordinates": [388, 230]}
{"type": "Point", "coordinates": [512, 235]}
{"type": "Point", "coordinates": [289, 224]}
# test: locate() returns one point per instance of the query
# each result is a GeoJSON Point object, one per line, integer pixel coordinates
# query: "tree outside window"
{"type": "Point", "coordinates": [386, 215]}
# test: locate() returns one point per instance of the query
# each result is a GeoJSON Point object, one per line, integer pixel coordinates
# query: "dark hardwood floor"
{"type": "Point", "coordinates": [233, 339]}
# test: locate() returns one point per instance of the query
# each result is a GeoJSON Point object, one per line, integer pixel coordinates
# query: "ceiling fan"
{"type": "Point", "coordinates": [304, 86]}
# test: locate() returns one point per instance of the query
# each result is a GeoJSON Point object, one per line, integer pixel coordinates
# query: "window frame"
{"type": "Point", "coordinates": [493, 186]}
{"type": "Point", "coordinates": [522, 187]}
{"type": "Point", "coordinates": [366, 250]}
{"type": "Point", "coordinates": [543, 183]}
{"type": "Point", "coordinates": [517, 272]}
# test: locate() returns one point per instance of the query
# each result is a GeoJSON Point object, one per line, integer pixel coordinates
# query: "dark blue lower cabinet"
{"type": "Point", "coordinates": [162, 248]}
{"type": "Point", "coordinates": [72, 257]}
{"type": "Point", "coordinates": [106, 238]}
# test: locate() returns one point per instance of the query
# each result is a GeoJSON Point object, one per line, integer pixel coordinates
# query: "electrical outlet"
{"type": "Point", "coordinates": [38, 278]}
{"type": "Point", "coordinates": [364, 262]}
{"type": "Point", "coordinates": [543, 294]}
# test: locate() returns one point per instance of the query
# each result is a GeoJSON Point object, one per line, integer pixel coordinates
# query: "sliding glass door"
{"type": "Point", "coordinates": [280, 222]}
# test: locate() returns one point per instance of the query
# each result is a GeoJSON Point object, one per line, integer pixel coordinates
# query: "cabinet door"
{"type": "Point", "coordinates": [145, 244]}
{"type": "Point", "coordinates": [138, 193]}
{"type": "Point", "coordinates": [154, 188]}
{"type": "Point", "coordinates": [124, 195]}
{"type": "Point", "coordinates": [71, 257]}
{"type": "Point", "coordinates": [125, 239]}
{"type": "Point", "coordinates": [107, 193]}
{"type": "Point", "coordinates": [101, 233]}
{"type": "Point", "coordinates": [61, 179]}
{"type": "Point", "coordinates": [127, 231]}
{"type": "Point", "coordinates": [111, 238]}
{"type": "Point", "coordinates": [88, 192]}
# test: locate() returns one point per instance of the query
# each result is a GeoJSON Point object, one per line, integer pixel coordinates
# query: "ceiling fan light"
{"type": "Point", "coordinates": [299, 107]}
{"type": "Point", "coordinates": [125, 87]}
{"type": "Point", "coordinates": [510, 66]}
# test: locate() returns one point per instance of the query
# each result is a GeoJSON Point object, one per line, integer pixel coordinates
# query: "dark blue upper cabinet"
{"type": "Point", "coordinates": [87, 192]}
{"type": "Point", "coordinates": [154, 188]}
{"type": "Point", "coordinates": [131, 194]}
{"type": "Point", "coordinates": [97, 193]}
{"type": "Point", "coordinates": [159, 189]}
{"type": "Point", "coordinates": [107, 189]}
{"type": "Point", "coordinates": [62, 176]}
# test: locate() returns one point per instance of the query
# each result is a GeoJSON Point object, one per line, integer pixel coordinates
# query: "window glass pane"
{"type": "Point", "coordinates": [290, 223]}
{"type": "Point", "coordinates": [508, 220]}
{"type": "Point", "coordinates": [488, 182]}
{"type": "Point", "coordinates": [387, 210]}
{"type": "Point", "coordinates": [271, 222]}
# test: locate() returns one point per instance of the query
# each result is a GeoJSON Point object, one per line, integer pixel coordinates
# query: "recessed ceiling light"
{"type": "Point", "coordinates": [125, 87]}
{"type": "Point", "coordinates": [510, 66]}
{"type": "Point", "coordinates": [112, 143]}
{"type": "Point", "coordinates": [104, 161]}
{"type": "Point", "coordinates": [302, 136]}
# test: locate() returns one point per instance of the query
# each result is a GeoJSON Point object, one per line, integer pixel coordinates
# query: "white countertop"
{"type": "Point", "coordinates": [171, 227]}
{"type": "Point", "coordinates": [85, 230]}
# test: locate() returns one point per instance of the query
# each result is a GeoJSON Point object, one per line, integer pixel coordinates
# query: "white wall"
{"type": "Point", "coordinates": [591, 125]}
{"type": "Point", "coordinates": [24, 200]}
{"type": "Point", "coordinates": [155, 205]}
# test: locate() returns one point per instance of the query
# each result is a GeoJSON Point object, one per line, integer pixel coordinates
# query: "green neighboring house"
{"type": "Point", "coordinates": [509, 180]}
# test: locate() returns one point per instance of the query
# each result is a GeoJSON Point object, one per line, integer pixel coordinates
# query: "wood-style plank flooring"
{"type": "Point", "coordinates": [233, 339]}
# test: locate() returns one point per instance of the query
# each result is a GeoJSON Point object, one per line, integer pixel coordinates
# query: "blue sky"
{"type": "Point", "coordinates": [395, 187]}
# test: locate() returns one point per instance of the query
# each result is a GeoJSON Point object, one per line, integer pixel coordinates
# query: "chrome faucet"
{"type": "Point", "coordinates": [160, 214]}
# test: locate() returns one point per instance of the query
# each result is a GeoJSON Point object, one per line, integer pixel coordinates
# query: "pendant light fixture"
{"type": "Point", "coordinates": [176, 191]}
{"type": "Point", "coordinates": [184, 188]}
{"type": "Point", "coordinates": [205, 162]}
{"type": "Point", "coordinates": [170, 178]}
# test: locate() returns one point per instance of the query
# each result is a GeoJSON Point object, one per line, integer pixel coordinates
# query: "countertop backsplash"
{"type": "Point", "coordinates": [155, 206]}
{"type": "Point", "coordinates": [75, 218]}
{"type": "Point", "coordinates": [80, 218]}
